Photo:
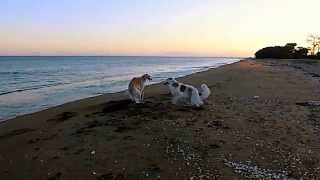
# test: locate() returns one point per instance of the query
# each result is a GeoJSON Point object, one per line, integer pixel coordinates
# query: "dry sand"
{"type": "Point", "coordinates": [251, 127]}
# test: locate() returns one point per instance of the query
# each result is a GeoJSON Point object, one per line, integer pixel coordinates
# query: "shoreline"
{"type": "Point", "coordinates": [254, 125]}
{"type": "Point", "coordinates": [93, 98]}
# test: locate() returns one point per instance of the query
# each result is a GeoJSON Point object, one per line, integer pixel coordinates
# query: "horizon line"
{"type": "Point", "coordinates": [160, 56]}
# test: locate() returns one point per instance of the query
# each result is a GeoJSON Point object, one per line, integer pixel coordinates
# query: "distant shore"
{"type": "Point", "coordinates": [253, 122]}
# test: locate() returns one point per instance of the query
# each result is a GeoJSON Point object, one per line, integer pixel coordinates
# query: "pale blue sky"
{"type": "Point", "coordinates": [150, 27]}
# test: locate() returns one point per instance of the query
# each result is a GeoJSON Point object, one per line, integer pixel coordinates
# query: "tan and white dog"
{"type": "Point", "coordinates": [136, 88]}
{"type": "Point", "coordinates": [184, 94]}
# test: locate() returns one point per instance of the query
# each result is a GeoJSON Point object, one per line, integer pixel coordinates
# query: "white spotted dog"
{"type": "Point", "coordinates": [184, 94]}
{"type": "Point", "coordinates": [136, 88]}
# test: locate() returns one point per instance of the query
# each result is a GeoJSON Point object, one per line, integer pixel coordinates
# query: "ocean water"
{"type": "Point", "coordinates": [30, 84]}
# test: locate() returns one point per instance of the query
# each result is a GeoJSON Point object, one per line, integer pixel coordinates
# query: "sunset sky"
{"type": "Point", "coordinates": [153, 27]}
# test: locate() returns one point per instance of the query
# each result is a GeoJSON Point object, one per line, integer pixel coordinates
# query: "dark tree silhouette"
{"type": "Point", "coordinates": [289, 51]}
{"type": "Point", "coordinates": [301, 52]}
{"type": "Point", "coordinates": [281, 52]}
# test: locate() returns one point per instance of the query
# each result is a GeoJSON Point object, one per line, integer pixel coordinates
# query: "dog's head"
{"type": "Point", "coordinates": [169, 81]}
{"type": "Point", "coordinates": [147, 77]}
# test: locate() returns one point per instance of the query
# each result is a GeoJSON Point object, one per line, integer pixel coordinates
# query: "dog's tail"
{"type": "Point", "coordinates": [204, 92]}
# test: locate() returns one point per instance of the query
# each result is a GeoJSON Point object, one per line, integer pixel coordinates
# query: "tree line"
{"type": "Point", "coordinates": [291, 51]}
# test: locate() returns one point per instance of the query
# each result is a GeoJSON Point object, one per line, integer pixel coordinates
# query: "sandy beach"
{"type": "Point", "coordinates": [256, 124]}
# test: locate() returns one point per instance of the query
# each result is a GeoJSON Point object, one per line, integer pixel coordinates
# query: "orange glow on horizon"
{"type": "Point", "coordinates": [167, 28]}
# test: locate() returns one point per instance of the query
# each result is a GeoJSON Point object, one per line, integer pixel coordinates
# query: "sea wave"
{"type": "Point", "coordinates": [32, 88]}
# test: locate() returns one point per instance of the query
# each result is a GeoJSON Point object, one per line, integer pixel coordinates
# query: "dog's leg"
{"type": "Point", "coordinates": [142, 96]}
{"type": "Point", "coordinates": [175, 100]}
{"type": "Point", "coordinates": [195, 98]}
{"type": "Point", "coordinates": [137, 96]}
{"type": "Point", "coordinates": [137, 99]}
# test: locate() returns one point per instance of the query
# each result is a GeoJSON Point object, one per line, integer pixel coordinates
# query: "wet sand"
{"type": "Point", "coordinates": [256, 124]}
